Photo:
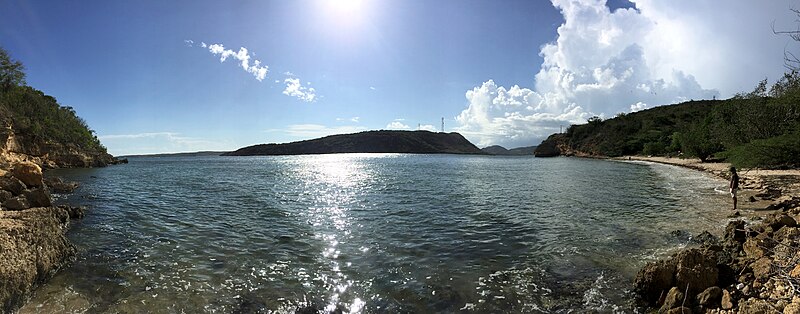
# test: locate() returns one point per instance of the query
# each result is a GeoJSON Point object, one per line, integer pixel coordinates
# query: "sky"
{"type": "Point", "coordinates": [181, 76]}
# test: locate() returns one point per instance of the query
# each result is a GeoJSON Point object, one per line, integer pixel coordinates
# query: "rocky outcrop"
{"type": "Point", "coordinates": [15, 148]}
{"type": "Point", "coordinates": [33, 245]}
{"type": "Point", "coordinates": [754, 268]}
{"type": "Point", "coordinates": [550, 147]}
{"type": "Point", "coordinates": [58, 185]}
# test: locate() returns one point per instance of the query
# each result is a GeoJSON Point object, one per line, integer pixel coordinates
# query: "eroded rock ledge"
{"type": "Point", "coordinates": [753, 268]}
{"type": "Point", "coordinates": [33, 245]}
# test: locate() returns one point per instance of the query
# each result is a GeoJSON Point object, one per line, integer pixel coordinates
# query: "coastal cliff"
{"type": "Point", "coordinates": [36, 133]}
{"type": "Point", "coordinates": [420, 142]}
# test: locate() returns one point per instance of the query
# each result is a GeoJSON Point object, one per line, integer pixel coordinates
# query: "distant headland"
{"type": "Point", "coordinates": [418, 142]}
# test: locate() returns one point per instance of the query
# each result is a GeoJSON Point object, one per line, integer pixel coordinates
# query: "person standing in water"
{"type": "Point", "coordinates": [734, 185]}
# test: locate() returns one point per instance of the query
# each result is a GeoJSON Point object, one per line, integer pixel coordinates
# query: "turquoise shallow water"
{"type": "Point", "coordinates": [373, 233]}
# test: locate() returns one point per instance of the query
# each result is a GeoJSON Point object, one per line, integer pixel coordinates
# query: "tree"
{"type": "Point", "coordinates": [11, 71]}
{"type": "Point", "coordinates": [790, 59]}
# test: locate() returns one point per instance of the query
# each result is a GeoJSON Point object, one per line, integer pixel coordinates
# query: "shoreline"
{"type": "Point", "coordinates": [759, 189]}
{"type": "Point", "coordinates": [754, 267]}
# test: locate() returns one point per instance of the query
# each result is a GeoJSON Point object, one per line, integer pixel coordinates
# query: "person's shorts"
{"type": "Point", "coordinates": [733, 192]}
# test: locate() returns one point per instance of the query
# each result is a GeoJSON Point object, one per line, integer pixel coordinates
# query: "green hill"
{"type": "Point", "coordinates": [420, 142]}
{"type": "Point", "coordinates": [756, 129]}
{"type": "Point", "coordinates": [35, 124]}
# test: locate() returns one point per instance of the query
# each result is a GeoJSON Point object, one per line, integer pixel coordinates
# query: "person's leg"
{"type": "Point", "coordinates": [734, 201]}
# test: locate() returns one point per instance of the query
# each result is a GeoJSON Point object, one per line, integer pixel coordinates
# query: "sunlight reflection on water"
{"type": "Point", "coordinates": [373, 233]}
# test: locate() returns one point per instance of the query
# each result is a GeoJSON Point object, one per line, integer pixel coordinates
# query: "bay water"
{"type": "Point", "coordinates": [373, 233]}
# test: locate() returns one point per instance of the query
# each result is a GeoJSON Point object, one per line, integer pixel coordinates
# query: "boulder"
{"type": "Point", "coordinates": [753, 248]}
{"type": "Point", "coordinates": [11, 184]}
{"type": "Point", "coordinates": [705, 239]}
{"type": "Point", "coordinates": [17, 203]}
{"type": "Point", "coordinates": [735, 231]}
{"type": "Point", "coordinates": [38, 197]}
{"type": "Point", "coordinates": [710, 298]}
{"type": "Point", "coordinates": [696, 270]}
{"type": "Point", "coordinates": [673, 300]}
{"type": "Point", "coordinates": [654, 280]}
{"type": "Point", "coordinates": [74, 212]}
{"type": "Point", "coordinates": [5, 195]}
{"type": "Point", "coordinates": [726, 303]}
{"type": "Point", "coordinates": [33, 247]}
{"type": "Point", "coordinates": [779, 220]}
{"type": "Point", "coordinates": [762, 268]}
{"type": "Point", "coordinates": [57, 185]}
{"type": "Point", "coordinates": [787, 233]}
{"type": "Point", "coordinates": [29, 173]}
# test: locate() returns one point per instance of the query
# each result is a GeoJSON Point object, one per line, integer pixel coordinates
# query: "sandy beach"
{"type": "Point", "coordinates": [759, 188]}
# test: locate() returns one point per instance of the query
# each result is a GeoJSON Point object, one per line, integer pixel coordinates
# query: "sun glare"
{"type": "Point", "coordinates": [347, 8]}
{"type": "Point", "coordinates": [345, 12]}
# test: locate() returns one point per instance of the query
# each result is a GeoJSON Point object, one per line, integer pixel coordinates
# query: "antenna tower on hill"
{"type": "Point", "coordinates": [442, 124]}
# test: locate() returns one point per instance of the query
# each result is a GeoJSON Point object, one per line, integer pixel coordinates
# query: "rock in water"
{"type": "Point", "coordinates": [57, 185]}
{"type": "Point", "coordinates": [29, 173]}
{"type": "Point", "coordinates": [33, 248]}
{"type": "Point", "coordinates": [696, 270]}
{"type": "Point", "coordinates": [654, 280]}
{"type": "Point", "coordinates": [75, 212]}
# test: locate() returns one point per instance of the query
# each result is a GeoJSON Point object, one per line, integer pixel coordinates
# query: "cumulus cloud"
{"type": "Point", "coordinates": [295, 89]}
{"type": "Point", "coordinates": [427, 127]}
{"type": "Point", "coordinates": [397, 125]}
{"type": "Point", "coordinates": [605, 62]}
{"type": "Point", "coordinates": [258, 70]}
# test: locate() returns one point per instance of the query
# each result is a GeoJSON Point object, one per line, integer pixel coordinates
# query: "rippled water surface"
{"type": "Point", "coordinates": [373, 233]}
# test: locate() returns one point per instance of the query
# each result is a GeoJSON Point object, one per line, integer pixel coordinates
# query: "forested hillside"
{"type": "Point", "coordinates": [39, 126]}
{"type": "Point", "coordinates": [756, 129]}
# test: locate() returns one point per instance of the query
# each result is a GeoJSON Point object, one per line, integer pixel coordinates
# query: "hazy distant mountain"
{"type": "Point", "coordinates": [191, 154]}
{"type": "Point", "coordinates": [423, 142]}
{"type": "Point", "coordinates": [500, 150]}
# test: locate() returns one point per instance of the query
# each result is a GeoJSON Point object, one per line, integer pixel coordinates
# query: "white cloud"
{"type": "Point", "coordinates": [189, 42]}
{"type": "Point", "coordinates": [604, 62]}
{"type": "Point", "coordinates": [306, 131]}
{"type": "Point", "coordinates": [294, 88]}
{"type": "Point", "coordinates": [353, 119]}
{"type": "Point", "coordinates": [397, 125]}
{"type": "Point", "coordinates": [243, 56]}
{"type": "Point", "coordinates": [639, 106]}
{"type": "Point", "coordinates": [372, 87]}
{"type": "Point", "coordinates": [427, 127]}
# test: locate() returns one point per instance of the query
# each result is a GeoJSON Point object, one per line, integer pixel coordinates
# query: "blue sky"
{"type": "Point", "coordinates": [148, 76]}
